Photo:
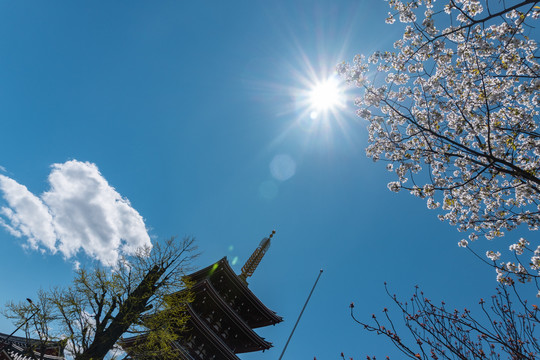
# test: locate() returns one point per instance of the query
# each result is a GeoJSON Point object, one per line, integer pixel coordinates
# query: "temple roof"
{"type": "Point", "coordinates": [213, 340]}
{"type": "Point", "coordinates": [229, 285]}
{"type": "Point", "coordinates": [184, 353]}
{"type": "Point", "coordinates": [21, 348]}
{"type": "Point", "coordinates": [208, 300]}
{"type": "Point", "coordinates": [222, 316]}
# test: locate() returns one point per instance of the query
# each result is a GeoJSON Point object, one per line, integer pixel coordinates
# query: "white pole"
{"type": "Point", "coordinates": [299, 316]}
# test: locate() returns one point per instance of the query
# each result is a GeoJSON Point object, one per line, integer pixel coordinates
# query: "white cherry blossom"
{"type": "Point", "coordinates": [456, 113]}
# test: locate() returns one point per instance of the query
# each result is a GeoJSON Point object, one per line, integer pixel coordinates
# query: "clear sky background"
{"type": "Point", "coordinates": [194, 112]}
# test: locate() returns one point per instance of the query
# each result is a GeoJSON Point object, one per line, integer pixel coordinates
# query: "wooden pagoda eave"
{"type": "Point", "coordinates": [126, 343]}
{"type": "Point", "coordinates": [270, 317]}
{"type": "Point", "coordinates": [16, 352]}
{"type": "Point", "coordinates": [251, 338]}
{"type": "Point", "coordinates": [184, 353]}
{"type": "Point", "coordinates": [215, 340]}
{"type": "Point", "coordinates": [51, 347]}
{"type": "Point", "coordinates": [18, 347]}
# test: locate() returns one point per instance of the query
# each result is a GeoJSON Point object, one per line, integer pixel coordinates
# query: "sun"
{"type": "Point", "coordinates": [326, 95]}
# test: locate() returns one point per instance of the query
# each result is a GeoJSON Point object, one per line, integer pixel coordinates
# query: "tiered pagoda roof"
{"type": "Point", "coordinates": [235, 292]}
{"type": "Point", "coordinates": [224, 313]}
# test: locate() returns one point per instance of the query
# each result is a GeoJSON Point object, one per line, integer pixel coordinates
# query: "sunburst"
{"type": "Point", "coordinates": [325, 96]}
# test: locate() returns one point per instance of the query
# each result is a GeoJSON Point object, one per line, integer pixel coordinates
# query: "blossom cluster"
{"type": "Point", "coordinates": [524, 268]}
{"type": "Point", "coordinates": [457, 116]}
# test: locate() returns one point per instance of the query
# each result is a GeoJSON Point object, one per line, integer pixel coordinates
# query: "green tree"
{"type": "Point", "coordinates": [145, 294]}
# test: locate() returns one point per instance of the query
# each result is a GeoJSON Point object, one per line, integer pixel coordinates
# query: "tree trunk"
{"type": "Point", "coordinates": [128, 313]}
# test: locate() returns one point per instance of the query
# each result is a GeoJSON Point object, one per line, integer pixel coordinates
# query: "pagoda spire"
{"type": "Point", "coordinates": [251, 264]}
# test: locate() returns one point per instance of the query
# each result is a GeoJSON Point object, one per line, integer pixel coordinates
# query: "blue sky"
{"type": "Point", "coordinates": [193, 112]}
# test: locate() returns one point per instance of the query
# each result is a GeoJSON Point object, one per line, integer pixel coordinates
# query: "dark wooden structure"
{"type": "Point", "coordinates": [223, 316]}
{"type": "Point", "coordinates": [224, 313]}
{"type": "Point", "coordinates": [21, 348]}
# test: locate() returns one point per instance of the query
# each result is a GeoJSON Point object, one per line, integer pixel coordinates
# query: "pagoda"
{"type": "Point", "coordinates": [224, 313]}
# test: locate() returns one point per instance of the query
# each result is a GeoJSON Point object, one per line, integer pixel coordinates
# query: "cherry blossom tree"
{"type": "Point", "coordinates": [453, 111]}
{"type": "Point", "coordinates": [505, 329]}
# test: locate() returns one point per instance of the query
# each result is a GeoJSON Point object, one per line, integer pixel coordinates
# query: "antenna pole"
{"type": "Point", "coordinates": [299, 316]}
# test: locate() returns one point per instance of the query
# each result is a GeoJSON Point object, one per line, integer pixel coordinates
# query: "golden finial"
{"type": "Point", "coordinates": [249, 267]}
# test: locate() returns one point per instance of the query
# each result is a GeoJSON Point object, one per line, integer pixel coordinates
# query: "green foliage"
{"type": "Point", "coordinates": [163, 327]}
{"type": "Point", "coordinates": [145, 294]}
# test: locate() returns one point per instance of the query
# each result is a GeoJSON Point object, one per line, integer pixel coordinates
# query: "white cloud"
{"type": "Point", "coordinates": [81, 211]}
{"type": "Point", "coordinates": [27, 215]}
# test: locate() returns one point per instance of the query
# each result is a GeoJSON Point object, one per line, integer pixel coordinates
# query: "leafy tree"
{"type": "Point", "coordinates": [436, 332]}
{"type": "Point", "coordinates": [453, 110]}
{"type": "Point", "coordinates": [40, 345]}
{"type": "Point", "coordinates": [141, 295]}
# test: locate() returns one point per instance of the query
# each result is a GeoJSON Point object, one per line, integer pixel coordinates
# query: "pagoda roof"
{"type": "Point", "coordinates": [261, 316]}
{"type": "Point", "coordinates": [202, 327]}
{"type": "Point", "coordinates": [126, 343]}
{"type": "Point", "coordinates": [184, 353]}
{"type": "Point", "coordinates": [246, 340]}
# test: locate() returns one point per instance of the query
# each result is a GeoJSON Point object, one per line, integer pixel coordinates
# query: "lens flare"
{"type": "Point", "coordinates": [213, 269]}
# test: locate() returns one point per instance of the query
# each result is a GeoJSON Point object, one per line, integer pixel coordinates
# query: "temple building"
{"type": "Point", "coordinates": [225, 312]}
{"type": "Point", "coordinates": [21, 348]}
